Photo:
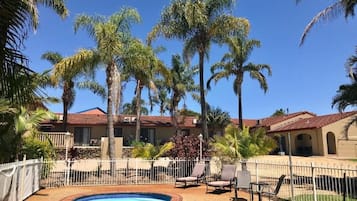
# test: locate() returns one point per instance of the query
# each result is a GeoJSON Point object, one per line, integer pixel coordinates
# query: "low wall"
{"type": "Point", "coordinates": [83, 153]}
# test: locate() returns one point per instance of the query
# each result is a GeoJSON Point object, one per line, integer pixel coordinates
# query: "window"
{"type": "Point", "coordinates": [300, 137]}
{"type": "Point", "coordinates": [118, 132]}
{"type": "Point", "coordinates": [46, 128]}
{"type": "Point", "coordinates": [81, 136]}
{"type": "Point", "coordinates": [148, 135]}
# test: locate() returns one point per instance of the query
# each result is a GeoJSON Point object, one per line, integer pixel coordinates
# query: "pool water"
{"type": "Point", "coordinates": [126, 197]}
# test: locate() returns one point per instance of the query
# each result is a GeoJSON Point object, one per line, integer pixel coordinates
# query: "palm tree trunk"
{"type": "Point", "coordinates": [202, 97]}
{"type": "Point", "coordinates": [65, 116]}
{"type": "Point", "coordinates": [138, 110]}
{"type": "Point", "coordinates": [65, 106]}
{"type": "Point", "coordinates": [240, 108]}
{"type": "Point", "coordinates": [111, 140]}
{"type": "Point", "coordinates": [174, 111]}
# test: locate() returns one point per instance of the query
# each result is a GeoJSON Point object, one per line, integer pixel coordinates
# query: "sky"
{"type": "Point", "coordinates": [304, 78]}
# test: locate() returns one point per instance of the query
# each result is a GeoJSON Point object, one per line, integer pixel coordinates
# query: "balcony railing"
{"type": "Point", "coordinates": [58, 139]}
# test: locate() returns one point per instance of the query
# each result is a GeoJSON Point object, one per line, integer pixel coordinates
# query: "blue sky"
{"type": "Point", "coordinates": [304, 78]}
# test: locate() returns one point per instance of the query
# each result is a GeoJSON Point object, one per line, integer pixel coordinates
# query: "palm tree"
{"type": "Point", "coordinates": [234, 63]}
{"type": "Point", "coordinates": [150, 152]}
{"type": "Point", "coordinates": [332, 11]}
{"type": "Point", "coordinates": [130, 108]}
{"type": "Point", "coordinates": [66, 79]}
{"type": "Point", "coordinates": [217, 120]}
{"type": "Point", "coordinates": [162, 97]}
{"type": "Point", "coordinates": [109, 34]}
{"type": "Point", "coordinates": [182, 82]}
{"type": "Point", "coordinates": [16, 16]}
{"type": "Point", "coordinates": [16, 125]}
{"type": "Point", "coordinates": [347, 93]}
{"type": "Point", "coordinates": [346, 96]}
{"type": "Point", "coordinates": [198, 23]}
{"type": "Point", "coordinates": [68, 94]}
{"type": "Point", "coordinates": [241, 144]}
{"type": "Point", "coordinates": [141, 63]}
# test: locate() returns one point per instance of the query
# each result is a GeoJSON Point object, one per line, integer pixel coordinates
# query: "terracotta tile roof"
{"type": "Point", "coordinates": [95, 110]}
{"type": "Point", "coordinates": [165, 121]}
{"type": "Point", "coordinates": [314, 122]}
{"type": "Point", "coordinates": [101, 119]}
{"type": "Point", "coordinates": [246, 122]}
{"type": "Point", "coordinates": [274, 120]}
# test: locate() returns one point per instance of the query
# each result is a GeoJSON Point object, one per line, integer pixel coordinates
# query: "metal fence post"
{"type": "Point", "coordinates": [136, 171]}
{"type": "Point", "coordinates": [68, 166]}
{"type": "Point", "coordinates": [291, 169]}
{"type": "Point", "coordinates": [313, 181]}
{"type": "Point", "coordinates": [256, 174]}
{"type": "Point", "coordinates": [344, 186]}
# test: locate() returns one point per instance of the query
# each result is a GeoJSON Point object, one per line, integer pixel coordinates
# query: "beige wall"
{"type": "Point", "coordinates": [162, 134]}
{"type": "Point", "coordinates": [315, 135]}
{"type": "Point", "coordinates": [118, 147]}
{"type": "Point", "coordinates": [345, 148]}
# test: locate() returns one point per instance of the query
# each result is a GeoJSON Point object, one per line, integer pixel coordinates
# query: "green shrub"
{"type": "Point", "coordinates": [35, 148]}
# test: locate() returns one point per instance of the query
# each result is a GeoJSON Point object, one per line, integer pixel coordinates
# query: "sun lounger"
{"type": "Point", "coordinates": [226, 179]}
{"type": "Point", "coordinates": [197, 175]}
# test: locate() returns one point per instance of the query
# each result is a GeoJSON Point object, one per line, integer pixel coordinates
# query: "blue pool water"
{"type": "Point", "coordinates": [126, 197]}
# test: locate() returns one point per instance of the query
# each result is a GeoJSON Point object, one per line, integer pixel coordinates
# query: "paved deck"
{"type": "Point", "coordinates": [193, 193]}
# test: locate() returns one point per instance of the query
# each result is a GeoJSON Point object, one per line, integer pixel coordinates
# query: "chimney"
{"type": "Point", "coordinates": [258, 122]}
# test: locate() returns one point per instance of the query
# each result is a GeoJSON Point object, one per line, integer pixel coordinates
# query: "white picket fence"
{"type": "Point", "coordinates": [316, 181]}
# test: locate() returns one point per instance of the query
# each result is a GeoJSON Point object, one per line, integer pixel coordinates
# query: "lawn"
{"type": "Point", "coordinates": [322, 197]}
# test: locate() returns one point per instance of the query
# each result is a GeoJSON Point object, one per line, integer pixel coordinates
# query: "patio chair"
{"type": "Point", "coordinates": [198, 174]}
{"type": "Point", "coordinates": [272, 193]}
{"type": "Point", "coordinates": [242, 182]}
{"type": "Point", "coordinates": [226, 179]}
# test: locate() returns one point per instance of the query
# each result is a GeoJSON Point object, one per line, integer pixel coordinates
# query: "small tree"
{"type": "Point", "coordinates": [238, 144]}
{"type": "Point", "coordinates": [150, 152]}
{"type": "Point", "coordinates": [187, 147]}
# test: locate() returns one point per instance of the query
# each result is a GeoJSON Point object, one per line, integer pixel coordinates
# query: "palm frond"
{"type": "Point", "coordinates": [326, 14]}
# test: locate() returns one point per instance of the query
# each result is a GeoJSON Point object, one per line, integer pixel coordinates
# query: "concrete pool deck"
{"type": "Point", "coordinates": [193, 193]}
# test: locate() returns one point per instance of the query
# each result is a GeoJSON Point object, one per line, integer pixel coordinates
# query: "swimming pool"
{"type": "Point", "coordinates": [126, 197]}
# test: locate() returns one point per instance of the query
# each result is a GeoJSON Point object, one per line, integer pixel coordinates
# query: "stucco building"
{"type": "Point", "coordinates": [309, 134]}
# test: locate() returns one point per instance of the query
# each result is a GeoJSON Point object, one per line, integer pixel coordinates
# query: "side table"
{"type": "Point", "coordinates": [260, 186]}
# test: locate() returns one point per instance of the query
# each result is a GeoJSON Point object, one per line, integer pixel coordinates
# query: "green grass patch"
{"type": "Point", "coordinates": [322, 197]}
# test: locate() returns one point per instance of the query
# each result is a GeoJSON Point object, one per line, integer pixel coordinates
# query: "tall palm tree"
{"type": "Point", "coordinates": [66, 79]}
{"type": "Point", "coordinates": [141, 63]}
{"type": "Point", "coordinates": [130, 108]}
{"type": "Point", "coordinates": [162, 97]}
{"type": "Point", "coordinates": [182, 83]}
{"type": "Point", "coordinates": [109, 34]}
{"type": "Point", "coordinates": [234, 63]}
{"type": "Point", "coordinates": [16, 17]}
{"type": "Point", "coordinates": [198, 23]}
{"type": "Point", "coordinates": [346, 7]}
